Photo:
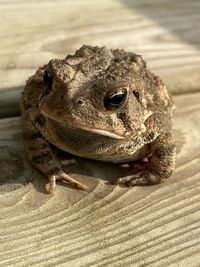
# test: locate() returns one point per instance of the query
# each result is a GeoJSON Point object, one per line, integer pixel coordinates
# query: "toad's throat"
{"type": "Point", "coordinates": [80, 142]}
{"type": "Point", "coordinates": [85, 128]}
{"type": "Point", "coordinates": [90, 144]}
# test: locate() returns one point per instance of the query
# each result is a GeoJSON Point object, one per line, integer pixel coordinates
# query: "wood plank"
{"type": "Point", "coordinates": [108, 225]}
{"type": "Point", "coordinates": [165, 33]}
{"type": "Point", "coordinates": [10, 102]}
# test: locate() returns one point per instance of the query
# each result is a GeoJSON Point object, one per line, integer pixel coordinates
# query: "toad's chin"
{"type": "Point", "coordinates": [87, 143]}
{"type": "Point", "coordinates": [83, 127]}
{"type": "Point", "coordinates": [80, 142]}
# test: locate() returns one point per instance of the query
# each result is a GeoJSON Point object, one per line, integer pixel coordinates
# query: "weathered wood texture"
{"type": "Point", "coordinates": [166, 33]}
{"type": "Point", "coordinates": [108, 225]}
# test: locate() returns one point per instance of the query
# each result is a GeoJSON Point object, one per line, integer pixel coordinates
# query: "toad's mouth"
{"type": "Point", "coordinates": [83, 127]}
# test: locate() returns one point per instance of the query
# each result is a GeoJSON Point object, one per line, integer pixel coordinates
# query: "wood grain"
{"type": "Point", "coordinates": [165, 33]}
{"type": "Point", "coordinates": [108, 225]}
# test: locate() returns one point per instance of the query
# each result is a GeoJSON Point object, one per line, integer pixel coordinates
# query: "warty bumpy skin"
{"type": "Point", "coordinates": [101, 104]}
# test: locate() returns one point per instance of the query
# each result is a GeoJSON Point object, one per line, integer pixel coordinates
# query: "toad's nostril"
{"type": "Point", "coordinates": [80, 102]}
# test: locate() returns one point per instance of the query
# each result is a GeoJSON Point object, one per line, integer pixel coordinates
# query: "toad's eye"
{"type": "Point", "coordinates": [116, 100]}
{"type": "Point", "coordinates": [47, 78]}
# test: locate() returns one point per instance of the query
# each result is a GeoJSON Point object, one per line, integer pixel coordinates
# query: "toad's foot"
{"type": "Point", "coordinates": [62, 176]}
{"type": "Point", "coordinates": [141, 178]}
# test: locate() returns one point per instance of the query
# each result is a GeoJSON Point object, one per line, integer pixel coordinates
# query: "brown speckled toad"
{"type": "Point", "coordinates": [100, 104]}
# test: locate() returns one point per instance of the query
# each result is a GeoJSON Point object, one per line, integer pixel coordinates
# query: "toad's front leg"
{"type": "Point", "coordinates": [42, 157]}
{"type": "Point", "coordinates": [160, 165]}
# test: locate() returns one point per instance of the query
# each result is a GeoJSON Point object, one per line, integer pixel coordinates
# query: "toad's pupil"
{"type": "Point", "coordinates": [112, 102]}
{"type": "Point", "coordinates": [117, 99]}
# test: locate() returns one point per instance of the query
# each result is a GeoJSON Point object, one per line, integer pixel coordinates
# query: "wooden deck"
{"type": "Point", "coordinates": [108, 225]}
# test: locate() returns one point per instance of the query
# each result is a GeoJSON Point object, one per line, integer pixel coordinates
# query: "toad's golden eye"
{"type": "Point", "coordinates": [116, 100]}
{"type": "Point", "coordinates": [47, 78]}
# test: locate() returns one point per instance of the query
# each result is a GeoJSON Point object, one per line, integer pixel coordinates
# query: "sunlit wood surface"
{"type": "Point", "coordinates": [107, 225]}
